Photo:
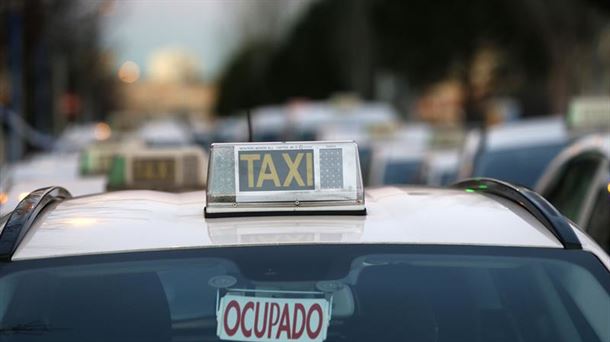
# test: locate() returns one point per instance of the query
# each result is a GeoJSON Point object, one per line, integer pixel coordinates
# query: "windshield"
{"type": "Point", "coordinates": [573, 185]}
{"type": "Point", "coordinates": [599, 220]}
{"type": "Point", "coordinates": [341, 293]}
{"type": "Point", "coordinates": [521, 166]}
{"type": "Point", "coordinates": [401, 172]}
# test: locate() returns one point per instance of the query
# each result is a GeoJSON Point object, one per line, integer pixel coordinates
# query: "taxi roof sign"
{"type": "Point", "coordinates": [280, 178]}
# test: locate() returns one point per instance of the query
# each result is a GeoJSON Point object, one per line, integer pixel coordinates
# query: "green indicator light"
{"type": "Point", "coordinates": [482, 186]}
{"type": "Point", "coordinates": [84, 163]}
{"type": "Point", "coordinates": [116, 174]}
{"type": "Point", "coordinates": [469, 190]}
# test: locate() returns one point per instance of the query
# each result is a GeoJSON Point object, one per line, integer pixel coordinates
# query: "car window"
{"type": "Point", "coordinates": [369, 293]}
{"type": "Point", "coordinates": [572, 184]}
{"type": "Point", "coordinates": [522, 166]}
{"type": "Point", "coordinates": [598, 226]}
{"type": "Point", "coordinates": [3, 219]}
{"type": "Point", "coordinates": [448, 177]}
{"type": "Point", "coordinates": [401, 172]}
{"type": "Point", "coordinates": [365, 154]}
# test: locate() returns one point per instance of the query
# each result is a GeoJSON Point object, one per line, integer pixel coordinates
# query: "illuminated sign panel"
{"type": "Point", "coordinates": [276, 170]}
{"type": "Point", "coordinates": [161, 169]}
{"type": "Point", "coordinates": [290, 176]}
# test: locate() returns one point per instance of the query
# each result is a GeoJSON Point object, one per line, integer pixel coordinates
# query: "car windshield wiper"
{"type": "Point", "coordinates": [33, 327]}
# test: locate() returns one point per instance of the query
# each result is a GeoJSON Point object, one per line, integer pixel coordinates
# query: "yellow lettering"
{"type": "Point", "coordinates": [309, 169]}
{"type": "Point", "coordinates": [264, 175]}
{"type": "Point", "coordinates": [250, 158]}
{"type": "Point", "coordinates": [150, 173]}
{"type": "Point", "coordinates": [293, 169]}
{"type": "Point", "coordinates": [162, 170]}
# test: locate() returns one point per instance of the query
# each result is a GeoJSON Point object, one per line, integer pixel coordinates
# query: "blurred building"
{"type": "Point", "coordinates": [153, 98]}
{"type": "Point", "coordinates": [173, 85]}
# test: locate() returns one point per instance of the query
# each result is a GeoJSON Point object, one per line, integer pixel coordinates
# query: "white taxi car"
{"type": "Point", "coordinates": [285, 246]}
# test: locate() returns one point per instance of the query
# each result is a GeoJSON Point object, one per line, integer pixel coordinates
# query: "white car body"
{"type": "Point", "coordinates": [131, 221]}
{"type": "Point", "coordinates": [440, 167]}
{"type": "Point", "coordinates": [165, 133]}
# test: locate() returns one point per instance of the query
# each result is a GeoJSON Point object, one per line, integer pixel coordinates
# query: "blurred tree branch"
{"type": "Point", "coordinates": [546, 49]}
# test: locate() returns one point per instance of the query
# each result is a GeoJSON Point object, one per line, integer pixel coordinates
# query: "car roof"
{"type": "Point", "coordinates": [595, 142]}
{"type": "Point", "coordinates": [527, 133]}
{"type": "Point", "coordinates": [164, 131]}
{"type": "Point", "coordinates": [445, 160]}
{"type": "Point", "coordinates": [129, 221]}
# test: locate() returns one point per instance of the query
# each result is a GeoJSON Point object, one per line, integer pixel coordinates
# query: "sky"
{"type": "Point", "coordinates": [209, 30]}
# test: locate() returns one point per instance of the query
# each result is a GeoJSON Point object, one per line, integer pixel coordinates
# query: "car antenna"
{"type": "Point", "coordinates": [249, 118]}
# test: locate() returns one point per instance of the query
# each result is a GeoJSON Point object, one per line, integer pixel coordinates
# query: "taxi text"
{"type": "Point", "coordinates": [276, 170]}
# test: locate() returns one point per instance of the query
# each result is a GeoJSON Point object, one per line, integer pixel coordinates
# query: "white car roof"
{"type": "Point", "coordinates": [164, 132]}
{"type": "Point", "coordinates": [49, 166]}
{"type": "Point", "coordinates": [129, 221]}
{"type": "Point", "coordinates": [597, 142]}
{"type": "Point", "coordinates": [443, 160]}
{"type": "Point", "coordinates": [527, 133]}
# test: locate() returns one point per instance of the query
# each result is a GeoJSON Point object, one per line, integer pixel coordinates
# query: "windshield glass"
{"type": "Point", "coordinates": [399, 172]}
{"type": "Point", "coordinates": [599, 221]}
{"type": "Point", "coordinates": [573, 185]}
{"type": "Point", "coordinates": [521, 166]}
{"type": "Point", "coordinates": [340, 293]}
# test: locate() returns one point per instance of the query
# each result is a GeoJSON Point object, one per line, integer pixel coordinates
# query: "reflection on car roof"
{"type": "Point", "coordinates": [128, 221]}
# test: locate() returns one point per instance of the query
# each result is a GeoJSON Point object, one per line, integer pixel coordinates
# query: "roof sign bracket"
{"type": "Point", "coordinates": [23, 216]}
{"type": "Point", "coordinates": [531, 201]}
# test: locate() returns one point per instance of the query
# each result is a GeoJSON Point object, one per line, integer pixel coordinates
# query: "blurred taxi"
{"type": "Point", "coordinates": [516, 152]}
{"type": "Point", "coordinates": [398, 155]}
{"type": "Point", "coordinates": [180, 168]}
{"type": "Point", "coordinates": [393, 164]}
{"type": "Point", "coordinates": [20, 178]}
{"type": "Point", "coordinates": [589, 114]}
{"type": "Point", "coordinates": [285, 246]}
{"type": "Point", "coordinates": [78, 136]}
{"type": "Point", "coordinates": [440, 167]}
{"type": "Point", "coordinates": [97, 158]}
{"type": "Point", "coordinates": [165, 133]}
{"type": "Point", "coordinates": [577, 182]}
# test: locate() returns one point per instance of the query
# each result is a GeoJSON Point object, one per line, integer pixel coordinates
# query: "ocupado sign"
{"type": "Point", "coordinates": [242, 318]}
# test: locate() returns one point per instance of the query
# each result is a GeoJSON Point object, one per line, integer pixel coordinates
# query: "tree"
{"type": "Point", "coordinates": [341, 45]}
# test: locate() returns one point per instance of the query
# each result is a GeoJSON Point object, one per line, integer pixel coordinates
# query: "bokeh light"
{"type": "Point", "coordinates": [80, 221]}
{"type": "Point", "coordinates": [102, 131]}
{"type": "Point", "coordinates": [22, 195]}
{"type": "Point", "coordinates": [129, 72]}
